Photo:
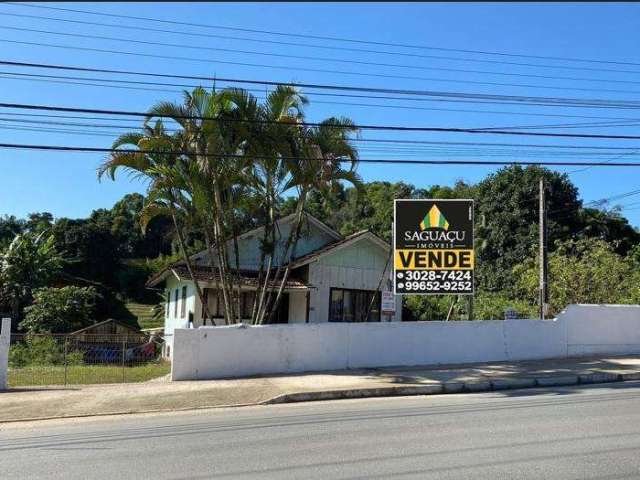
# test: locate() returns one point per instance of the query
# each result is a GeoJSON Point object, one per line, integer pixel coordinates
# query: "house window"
{"type": "Point", "coordinates": [347, 305]}
{"type": "Point", "coordinates": [183, 306]}
{"type": "Point", "coordinates": [167, 312]}
{"type": "Point", "coordinates": [175, 304]}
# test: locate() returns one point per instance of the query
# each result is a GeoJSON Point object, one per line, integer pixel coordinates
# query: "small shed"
{"type": "Point", "coordinates": [109, 331]}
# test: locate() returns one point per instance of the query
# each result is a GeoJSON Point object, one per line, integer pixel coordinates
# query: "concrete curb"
{"type": "Point", "coordinates": [456, 387]}
{"type": "Point", "coordinates": [435, 388]}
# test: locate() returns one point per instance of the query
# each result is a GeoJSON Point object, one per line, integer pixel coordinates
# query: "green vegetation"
{"type": "Point", "coordinates": [148, 316]}
{"type": "Point", "coordinates": [30, 261]}
{"type": "Point", "coordinates": [60, 310]}
{"type": "Point", "coordinates": [582, 271]}
{"type": "Point", "coordinates": [41, 350]}
{"type": "Point", "coordinates": [41, 360]}
{"type": "Point", "coordinates": [86, 374]}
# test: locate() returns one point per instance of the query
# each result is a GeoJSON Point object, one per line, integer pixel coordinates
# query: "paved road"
{"type": "Point", "coordinates": [566, 433]}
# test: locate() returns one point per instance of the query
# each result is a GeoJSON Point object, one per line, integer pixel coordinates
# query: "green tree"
{"type": "Point", "coordinates": [507, 220]}
{"type": "Point", "coordinates": [123, 222]}
{"type": "Point", "coordinates": [91, 250]}
{"type": "Point", "coordinates": [60, 310]}
{"type": "Point", "coordinates": [29, 262]}
{"type": "Point", "coordinates": [582, 271]}
{"type": "Point", "coordinates": [609, 226]}
{"type": "Point", "coordinates": [39, 222]}
{"type": "Point", "coordinates": [370, 206]}
{"type": "Point", "coordinates": [10, 226]}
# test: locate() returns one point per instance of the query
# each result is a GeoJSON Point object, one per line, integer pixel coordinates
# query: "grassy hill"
{"type": "Point", "coordinates": [144, 313]}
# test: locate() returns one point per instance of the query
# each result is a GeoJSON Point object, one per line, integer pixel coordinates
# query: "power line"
{"type": "Point", "coordinates": [307, 69]}
{"type": "Point", "coordinates": [516, 99]}
{"type": "Point", "coordinates": [398, 151]}
{"type": "Point", "coordinates": [615, 123]}
{"type": "Point", "coordinates": [326, 59]}
{"type": "Point", "coordinates": [357, 140]}
{"type": "Point", "coordinates": [91, 81]}
{"type": "Point", "coordinates": [610, 160]}
{"type": "Point", "coordinates": [139, 28]}
{"type": "Point", "coordinates": [321, 37]}
{"type": "Point", "coordinates": [341, 160]}
{"type": "Point", "coordinates": [615, 197]}
{"type": "Point", "coordinates": [320, 124]}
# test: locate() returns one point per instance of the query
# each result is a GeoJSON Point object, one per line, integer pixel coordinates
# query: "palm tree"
{"type": "Point", "coordinates": [271, 129]}
{"type": "Point", "coordinates": [316, 166]}
{"type": "Point", "coordinates": [229, 155]}
{"type": "Point", "coordinates": [211, 136]}
{"type": "Point", "coordinates": [157, 157]}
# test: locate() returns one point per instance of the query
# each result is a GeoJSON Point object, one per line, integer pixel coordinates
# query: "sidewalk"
{"type": "Point", "coordinates": [53, 402]}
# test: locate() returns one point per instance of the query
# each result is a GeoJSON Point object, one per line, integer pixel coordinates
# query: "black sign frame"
{"type": "Point", "coordinates": [433, 250]}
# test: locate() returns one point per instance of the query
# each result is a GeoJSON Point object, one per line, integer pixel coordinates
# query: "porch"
{"type": "Point", "coordinates": [293, 306]}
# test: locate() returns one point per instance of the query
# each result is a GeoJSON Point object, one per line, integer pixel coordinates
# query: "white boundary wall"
{"type": "Point", "coordinates": [5, 337]}
{"type": "Point", "coordinates": [241, 350]}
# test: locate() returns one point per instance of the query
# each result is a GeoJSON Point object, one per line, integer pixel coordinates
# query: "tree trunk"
{"type": "Point", "coordinates": [292, 242]}
{"type": "Point", "coordinates": [257, 305]}
{"type": "Point", "coordinates": [212, 265]}
{"type": "Point", "coordinates": [222, 255]}
{"type": "Point", "coordinates": [264, 285]}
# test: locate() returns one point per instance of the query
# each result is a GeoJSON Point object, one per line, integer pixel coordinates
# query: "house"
{"type": "Point", "coordinates": [108, 331]}
{"type": "Point", "coordinates": [111, 341]}
{"type": "Point", "coordinates": [333, 279]}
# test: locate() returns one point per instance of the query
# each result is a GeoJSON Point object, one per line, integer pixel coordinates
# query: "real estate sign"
{"type": "Point", "coordinates": [433, 247]}
{"type": "Point", "coordinates": [388, 303]}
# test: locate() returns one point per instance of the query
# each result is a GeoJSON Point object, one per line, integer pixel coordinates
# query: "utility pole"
{"type": "Point", "coordinates": [543, 251]}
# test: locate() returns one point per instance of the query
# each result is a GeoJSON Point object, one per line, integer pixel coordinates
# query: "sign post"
{"type": "Point", "coordinates": [433, 247]}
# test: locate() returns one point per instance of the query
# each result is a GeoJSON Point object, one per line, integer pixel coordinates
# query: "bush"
{"type": "Point", "coordinates": [60, 310]}
{"type": "Point", "coordinates": [583, 271]}
{"type": "Point", "coordinates": [492, 306]}
{"type": "Point", "coordinates": [41, 350]}
{"type": "Point", "coordinates": [486, 306]}
{"type": "Point", "coordinates": [418, 308]}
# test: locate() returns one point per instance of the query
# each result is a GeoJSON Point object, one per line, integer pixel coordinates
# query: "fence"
{"type": "Point", "coordinates": [46, 359]}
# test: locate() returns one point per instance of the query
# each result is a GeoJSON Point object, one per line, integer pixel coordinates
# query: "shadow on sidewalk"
{"type": "Point", "coordinates": [38, 389]}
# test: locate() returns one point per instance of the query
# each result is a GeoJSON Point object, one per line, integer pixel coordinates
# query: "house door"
{"type": "Point", "coordinates": [282, 314]}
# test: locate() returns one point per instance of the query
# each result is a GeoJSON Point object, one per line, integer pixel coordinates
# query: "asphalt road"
{"type": "Point", "coordinates": [565, 433]}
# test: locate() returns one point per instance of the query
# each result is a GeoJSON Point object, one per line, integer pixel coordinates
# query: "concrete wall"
{"type": "Point", "coordinates": [218, 352]}
{"type": "Point", "coordinates": [596, 329]}
{"type": "Point", "coordinates": [5, 337]}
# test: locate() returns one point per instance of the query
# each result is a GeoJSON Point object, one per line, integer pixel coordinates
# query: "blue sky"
{"type": "Point", "coordinates": [66, 185]}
